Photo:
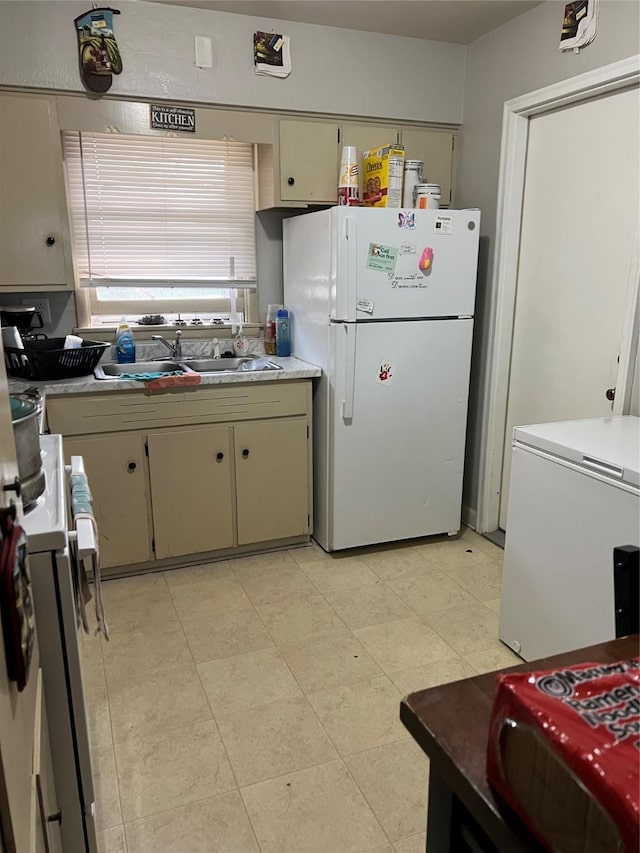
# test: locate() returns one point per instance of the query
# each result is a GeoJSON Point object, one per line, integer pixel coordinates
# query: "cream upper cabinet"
{"type": "Point", "coordinates": [191, 490]}
{"type": "Point", "coordinates": [435, 149]}
{"type": "Point", "coordinates": [365, 136]}
{"type": "Point", "coordinates": [34, 240]}
{"type": "Point", "coordinates": [309, 161]}
{"type": "Point", "coordinates": [272, 479]}
{"type": "Point", "coordinates": [115, 466]}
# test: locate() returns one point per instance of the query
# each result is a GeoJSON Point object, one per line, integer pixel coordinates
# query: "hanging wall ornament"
{"type": "Point", "coordinates": [99, 55]}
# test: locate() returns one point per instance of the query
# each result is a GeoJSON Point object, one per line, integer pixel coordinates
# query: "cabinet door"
{"type": "Point", "coordinates": [271, 479]}
{"type": "Point", "coordinates": [365, 136]}
{"type": "Point", "coordinates": [191, 490]}
{"type": "Point", "coordinates": [115, 466]}
{"type": "Point", "coordinates": [309, 161]}
{"type": "Point", "coordinates": [435, 149]}
{"type": "Point", "coordinates": [32, 193]}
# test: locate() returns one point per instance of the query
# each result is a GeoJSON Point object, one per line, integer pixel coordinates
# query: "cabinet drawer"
{"type": "Point", "coordinates": [86, 414]}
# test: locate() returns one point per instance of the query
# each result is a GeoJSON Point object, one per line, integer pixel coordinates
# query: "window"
{"type": "Point", "coordinates": [161, 224]}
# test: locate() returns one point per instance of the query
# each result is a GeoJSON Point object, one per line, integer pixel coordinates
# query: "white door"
{"type": "Point", "coordinates": [399, 409]}
{"type": "Point", "coordinates": [382, 270]}
{"type": "Point", "coordinates": [580, 213]}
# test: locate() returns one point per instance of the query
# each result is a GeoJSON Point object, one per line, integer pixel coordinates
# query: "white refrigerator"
{"type": "Point", "coordinates": [382, 301]}
{"type": "Point", "coordinates": [574, 496]}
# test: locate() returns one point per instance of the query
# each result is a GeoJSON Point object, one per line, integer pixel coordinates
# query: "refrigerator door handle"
{"type": "Point", "coordinates": [349, 373]}
{"type": "Point", "coordinates": [350, 232]}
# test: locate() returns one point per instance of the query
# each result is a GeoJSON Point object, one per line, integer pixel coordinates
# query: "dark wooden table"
{"type": "Point", "coordinates": [451, 724]}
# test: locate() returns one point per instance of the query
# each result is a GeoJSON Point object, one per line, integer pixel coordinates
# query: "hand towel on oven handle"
{"type": "Point", "coordinates": [82, 508]}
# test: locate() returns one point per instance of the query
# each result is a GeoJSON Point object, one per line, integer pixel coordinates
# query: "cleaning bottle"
{"type": "Point", "coordinates": [125, 346]}
{"type": "Point", "coordinates": [283, 333]}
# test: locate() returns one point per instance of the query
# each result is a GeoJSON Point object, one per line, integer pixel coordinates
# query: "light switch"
{"type": "Point", "coordinates": [204, 52]}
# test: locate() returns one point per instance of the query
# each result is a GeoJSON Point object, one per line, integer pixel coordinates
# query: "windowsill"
{"type": "Point", "coordinates": [144, 333]}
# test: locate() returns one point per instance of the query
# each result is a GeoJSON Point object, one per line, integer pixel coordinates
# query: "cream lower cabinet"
{"type": "Point", "coordinates": [192, 490]}
{"type": "Point", "coordinates": [115, 466]}
{"type": "Point", "coordinates": [272, 482]}
{"type": "Point", "coordinates": [195, 472]}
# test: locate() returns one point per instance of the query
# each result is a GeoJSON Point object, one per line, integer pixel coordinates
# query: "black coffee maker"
{"type": "Point", "coordinates": [25, 318]}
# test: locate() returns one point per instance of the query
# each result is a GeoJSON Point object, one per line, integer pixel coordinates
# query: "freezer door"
{"type": "Point", "coordinates": [398, 407]}
{"type": "Point", "coordinates": [395, 264]}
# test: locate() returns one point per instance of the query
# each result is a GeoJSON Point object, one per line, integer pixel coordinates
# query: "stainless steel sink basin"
{"type": "Point", "coordinates": [113, 371]}
{"type": "Point", "coordinates": [231, 365]}
{"type": "Point", "coordinates": [212, 365]}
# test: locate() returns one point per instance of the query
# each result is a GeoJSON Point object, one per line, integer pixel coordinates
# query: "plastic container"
{"type": "Point", "coordinates": [270, 329]}
{"type": "Point", "coordinates": [348, 181]}
{"type": "Point", "coordinates": [283, 333]}
{"type": "Point", "coordinates": [125, 345]}
{"type": "Point", "coordinates": [412, 176]}
{"type": "Point", "coordinates": [427, 197]}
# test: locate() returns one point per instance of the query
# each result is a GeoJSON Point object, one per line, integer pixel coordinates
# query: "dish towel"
{"type": "Point", "coordinates": [148, 377]}
{"type": "Point", "coordinates": [82, 507]}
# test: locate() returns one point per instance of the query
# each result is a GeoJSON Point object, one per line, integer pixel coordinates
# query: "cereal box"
{"type": "Point", "coordinates": [382, 170]}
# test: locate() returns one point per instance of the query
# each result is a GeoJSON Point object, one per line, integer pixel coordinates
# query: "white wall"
{"type": "Point", "coordinates": [334, 70]}
{"type": "Point", "coordinates": [519, 57]}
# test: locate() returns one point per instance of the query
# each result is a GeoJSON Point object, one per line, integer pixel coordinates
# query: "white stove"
{"type": "Point", "coordinates": [45, 522]}
{"type": "Point", "coordinates": [58, 625]}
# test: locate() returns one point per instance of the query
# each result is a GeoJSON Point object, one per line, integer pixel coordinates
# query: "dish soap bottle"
{"type": "Point", "coordinates": [283, 334]}
{"type": "Point", "coordinates": [125, 346]}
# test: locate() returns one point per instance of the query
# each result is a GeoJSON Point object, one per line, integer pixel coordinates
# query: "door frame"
{"type": "Point", "coordinates": [513, 156]}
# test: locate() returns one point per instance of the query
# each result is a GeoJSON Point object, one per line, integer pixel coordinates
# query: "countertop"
{"type": "Point", "coordinates": [292, 368]}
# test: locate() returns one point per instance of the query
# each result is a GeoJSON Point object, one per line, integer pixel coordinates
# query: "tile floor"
{"type": "Point", "coordinates": [251, 705]}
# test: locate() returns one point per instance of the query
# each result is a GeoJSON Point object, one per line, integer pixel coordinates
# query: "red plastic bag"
{"type": "Point", "coordinates": [564, 753]}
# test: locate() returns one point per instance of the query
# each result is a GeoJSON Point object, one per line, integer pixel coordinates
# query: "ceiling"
{"type": "Point", "coordinates": [460, 21]}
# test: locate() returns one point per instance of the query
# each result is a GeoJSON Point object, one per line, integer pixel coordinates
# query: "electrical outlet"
{"type": "Point", "coordinates": [41, 305]}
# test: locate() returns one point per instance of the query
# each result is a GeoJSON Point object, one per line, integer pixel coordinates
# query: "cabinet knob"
{"type": "Point", "coordinates": [291, 181]}
{"type": "Point", "coordinates": [132, 466]}
{"type": "Point", "coordinates": [219, 456]}
{"type": "Point", "coordinates": [610, 394]}
{"type": "Point", "coordinates": [51, 240]}
{"type": "Point", "coordinates": [245, 453]}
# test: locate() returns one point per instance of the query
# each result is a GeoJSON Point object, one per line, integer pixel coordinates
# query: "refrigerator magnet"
{"type": "Point", "coordinates": [381, 258]}
{"type": "Point", "coordinates": [425, 259]}
{"type": "Point", "coordinates": [443, 225]}
{"type": "Point", "coordinates": [365, 305]}
{"type": "Point", "coordinates": [385, 372]}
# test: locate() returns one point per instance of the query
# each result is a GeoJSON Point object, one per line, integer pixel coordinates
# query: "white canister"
{"type": "Point", "coordinates": [412, 177]}
{"type": "Point", "coordinates": [427, 196]}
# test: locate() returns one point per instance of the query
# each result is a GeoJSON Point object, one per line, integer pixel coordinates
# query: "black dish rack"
{"type": "Point", "coordinates": [47, 359]}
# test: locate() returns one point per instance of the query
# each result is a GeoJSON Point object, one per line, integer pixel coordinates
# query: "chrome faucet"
{"type": "Point", "coordinates": [175, 348]}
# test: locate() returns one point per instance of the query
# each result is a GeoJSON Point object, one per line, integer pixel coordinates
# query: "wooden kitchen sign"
{"type": "Point", "coordinates": [172, 118]}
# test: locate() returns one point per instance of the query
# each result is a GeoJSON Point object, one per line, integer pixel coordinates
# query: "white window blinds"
{"type": "Point", "coordinates": [161, 210]}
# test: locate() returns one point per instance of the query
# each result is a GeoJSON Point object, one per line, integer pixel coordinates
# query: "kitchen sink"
{"type": "Point", "coordinates": [113, 371]}
{"type": "Point", "coordinates": [199, 365]}
{"type": "Point", "coordinates": [231, 365]}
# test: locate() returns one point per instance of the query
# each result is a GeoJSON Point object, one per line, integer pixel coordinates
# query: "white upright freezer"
{"type": "Point", "coordinates": [574, 497]}
{"type": "Point", "coordinates": [382, 300]}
